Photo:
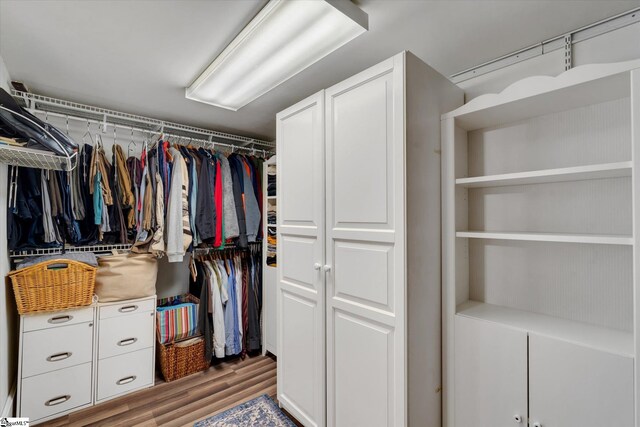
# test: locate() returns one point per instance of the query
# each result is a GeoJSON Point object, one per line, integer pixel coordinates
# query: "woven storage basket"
{"type": "Point", "coordinates": [178, 359]}
{"type": "Point", "coordinates": [53, 285]}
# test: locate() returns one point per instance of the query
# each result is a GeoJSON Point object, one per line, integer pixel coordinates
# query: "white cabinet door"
{"type": "Point", "coordinates": [490, 374]}
{"type": "Point", "coordinates": [575, 386]}
{"type": "Point", "coordinates": [300, 252]}
{"type": "Point", "coordinates": [366, 341]}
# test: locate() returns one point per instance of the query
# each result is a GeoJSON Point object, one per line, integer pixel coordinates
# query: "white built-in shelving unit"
{"type": "Point", "coordinates": [269, 278]}
{"type": "Point", "coordinates": [540, 252]}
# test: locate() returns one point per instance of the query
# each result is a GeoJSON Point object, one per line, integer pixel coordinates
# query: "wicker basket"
{"type": "Point", "coordinates": [53, 285]}
{"type": "Point", "coordinates": [180, 359]}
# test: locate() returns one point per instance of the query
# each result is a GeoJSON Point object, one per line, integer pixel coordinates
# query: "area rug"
{"type": "Point", "coordinates": [261, 411]}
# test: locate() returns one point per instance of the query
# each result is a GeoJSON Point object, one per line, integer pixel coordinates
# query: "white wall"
{"type": "Point", "coordinates": [622, 44]}
{"type": "Point", "coordinates": [8, 326]}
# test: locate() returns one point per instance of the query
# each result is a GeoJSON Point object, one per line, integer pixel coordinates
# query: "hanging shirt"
{"type": "Point", "coordinates": [251, 207]}
{"type": "Point", "coordinates": [233, 344]}
{"type": "Point", "coordinates": [97, 199]}
{"type": "Point", "coordinates": [206, 214]}
{"type": "Point", "coordinates": [229, 308]}
{"type": "Point", "coordinates": [217, 311]}
{"type": "Point", "coordinates": [219, 238]}
{"type": "Point", "coordinates": [178, 231]}
{"type": "Point", "coordinates": [238, 189]}
{"type": "Point", "coordinates": [231, 229]}
{"type": "Point", "coordinates": [237, 267]}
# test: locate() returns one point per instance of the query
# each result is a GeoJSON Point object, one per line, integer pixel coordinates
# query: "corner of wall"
{"type": "Point", "coordinates": [8, 317]}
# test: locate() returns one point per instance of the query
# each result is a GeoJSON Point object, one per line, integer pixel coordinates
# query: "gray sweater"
{"type": "Point", "coordinates": [230, 218]}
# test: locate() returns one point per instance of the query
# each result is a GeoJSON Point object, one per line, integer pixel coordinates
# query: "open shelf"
{"type": "Point", "coordinates": [549, 237]}
{"type": "Point", "coordinates": [577, 173]}
{"type": "Point", "coordinates": [538, 95]}
{"type": "Point", "coordinates": [597, 337]}
{"type": "Point", "coordinates": [38, 159]}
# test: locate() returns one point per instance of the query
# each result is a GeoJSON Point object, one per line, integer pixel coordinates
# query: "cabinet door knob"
{"type": "Point", "coordinates": [327, 268]}
{"type": "Point", "coordinates": [317, 266]}
{"type": "Point", "coordinates": [517, 418]}
{"type": "Point", "coordinates": [537, 424]}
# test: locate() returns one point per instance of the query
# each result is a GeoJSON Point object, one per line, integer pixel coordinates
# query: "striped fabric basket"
{"type": "Point", "coordinates": [177, 318]}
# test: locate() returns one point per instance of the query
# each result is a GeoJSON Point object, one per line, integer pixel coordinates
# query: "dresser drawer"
{"type": "Point", "coordinates": [122, 374]}
{"type": "Point", "coordinates": [33, 322]}
{"type": "Point", "coordinates": [52, 349]}
{"type": "Point", "coordinates": [128, 307]}
{"type": "Point", "coordinates": [124, 334]}
{"type": "Point", "coordinates": [55, 392]}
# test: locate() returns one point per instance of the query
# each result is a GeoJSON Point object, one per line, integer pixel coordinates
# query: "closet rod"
{"type": "Point", "coordinates": [196, 141]}
{"type": "Point", "coordinates": [45, 104]}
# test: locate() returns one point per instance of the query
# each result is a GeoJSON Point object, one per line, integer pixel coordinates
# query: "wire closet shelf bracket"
{"type": "Point", "coordinates": [53, 107]}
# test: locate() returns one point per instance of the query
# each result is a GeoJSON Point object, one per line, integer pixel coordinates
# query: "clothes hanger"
{"type": "Point", "coordinates": [13, 186]}
{"type": "Point", "coordinates": [131, 145]}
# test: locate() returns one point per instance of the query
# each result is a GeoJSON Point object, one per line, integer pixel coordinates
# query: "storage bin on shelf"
{"type": "Point", "coordinates": [53, 285]}
{"type": "Point", "coordinates": [180, 352]}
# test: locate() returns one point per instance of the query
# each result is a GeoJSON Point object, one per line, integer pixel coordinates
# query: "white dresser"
{"type": "Point", "coordinates": [125, 350]}
{"type": "Point", "coordinates": [71, 359]}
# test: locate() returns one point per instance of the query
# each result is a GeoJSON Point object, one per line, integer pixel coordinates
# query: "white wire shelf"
{"type": "Point", "coordinates": [210, 249]}
{"type": "Point", "coordinates": [107, 248]}
{"type": "Point", "coordinates": [105, 117]}
{"type": "Point", "coordinates": [39, 159]}
{"type": "Point", "coordinates": [24, 253]}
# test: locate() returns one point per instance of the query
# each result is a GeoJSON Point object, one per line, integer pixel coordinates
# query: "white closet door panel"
{"type": "Point", "coordinates": [301, 296]}
{"type": "Point", "coordinates": [490, 374]}
{"type": "Point", "coordinates": [379, 274]}
{"type": "Point", "coordinates": [300, 380]}
{"type": "Point", "coordinates": [299, 159]}
{"type": "Point", "coordinates": [365, 249]}
{"type": "Point", "coordinates": [574, 386]}
{"type": "Point", "coordinates": [361, 165]}
{"type": "Point", "coordinates": [298, 255]}
{"type": "Point", "coordinates": [356, 340]}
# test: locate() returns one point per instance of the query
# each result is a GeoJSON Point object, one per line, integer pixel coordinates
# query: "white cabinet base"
{"type": "Point", "coordinates": [575, 386]}
{"type": "Point", "coordinates": [490, 361]}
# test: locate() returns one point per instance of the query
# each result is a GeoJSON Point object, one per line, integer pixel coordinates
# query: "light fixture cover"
{"type": "Point", "coordinates": [284, 38]}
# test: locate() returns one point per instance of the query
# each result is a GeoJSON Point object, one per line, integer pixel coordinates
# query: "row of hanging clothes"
{"type": "Point", "coordinates": [229, 285]}
{"type": "Point", "coordinates": [169, 200]}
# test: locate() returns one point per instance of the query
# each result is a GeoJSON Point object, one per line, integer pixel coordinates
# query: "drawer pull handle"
{"type": "Point", "coordinates": [128, 308]}
{"type": "Point", "coordinates": [126, 380]}
{"type": "Point", "coordinates": [60, 319]}
{"type": "Point", "coordinates": [127, 341]}
{"type": "Point", "coordinates": [57, 400]}
{"type": "Point", "coordinates": [58, 357]}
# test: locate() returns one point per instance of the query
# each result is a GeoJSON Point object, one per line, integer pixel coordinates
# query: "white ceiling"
{"type": "Point", "coordinates": [138, 56]}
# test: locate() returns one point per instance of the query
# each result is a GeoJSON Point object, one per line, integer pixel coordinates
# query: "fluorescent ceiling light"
{"type": "Point", "coordinates": [283, 39]}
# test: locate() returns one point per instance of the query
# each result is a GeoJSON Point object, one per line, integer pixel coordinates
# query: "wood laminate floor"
{"type": "Point", "coordinates": [185, 401]}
